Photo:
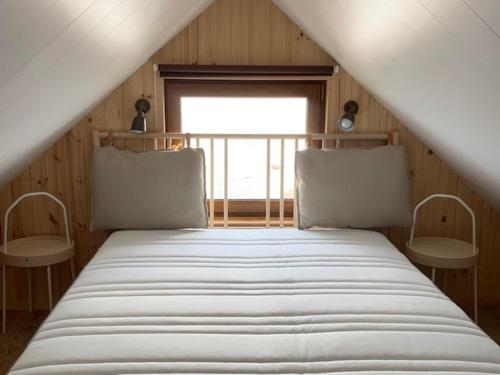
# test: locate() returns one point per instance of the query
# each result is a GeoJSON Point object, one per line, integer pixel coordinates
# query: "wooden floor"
{"type": "Point", "coordinates": [22, 325]}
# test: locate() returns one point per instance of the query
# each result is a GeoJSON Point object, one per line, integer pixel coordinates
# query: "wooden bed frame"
{"type": "Point", "coordinates": [162, 141]}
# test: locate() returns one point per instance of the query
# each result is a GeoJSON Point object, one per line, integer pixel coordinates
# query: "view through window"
{"type": "Point", "coordinates": [247, 158]}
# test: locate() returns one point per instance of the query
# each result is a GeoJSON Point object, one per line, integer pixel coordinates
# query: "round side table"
{"type": "Point", "coordinates": [442, 252]}
{"type": "Point", "coordinates": [34, 251]}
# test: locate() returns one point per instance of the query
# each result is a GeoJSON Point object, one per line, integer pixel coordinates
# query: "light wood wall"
{"type": "Point", "coordinates": [235, 32]}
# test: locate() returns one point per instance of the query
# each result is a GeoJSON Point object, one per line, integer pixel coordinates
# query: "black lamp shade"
{"type": "Point", "coordinates": [138, 124]}
{"type": "Point", "coordinates": [346, 122]}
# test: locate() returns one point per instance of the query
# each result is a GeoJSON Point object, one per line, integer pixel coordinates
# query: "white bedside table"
{"type": "Point", "coordinates": [442, 252]}
{"type": "Point", "coordinates": [34, 251]}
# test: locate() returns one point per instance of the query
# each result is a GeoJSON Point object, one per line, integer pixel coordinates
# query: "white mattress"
{"type": "Point", "coordinates": [254, 302]}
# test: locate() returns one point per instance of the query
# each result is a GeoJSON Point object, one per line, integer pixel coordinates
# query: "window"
{"type": "Point", "coordinates": [247, 107]}
{"type": "Point", "coordinates": [247, 175]}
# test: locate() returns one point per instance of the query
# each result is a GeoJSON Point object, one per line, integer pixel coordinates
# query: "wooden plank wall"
{"type": "Point", "coordinates": [234, 32]}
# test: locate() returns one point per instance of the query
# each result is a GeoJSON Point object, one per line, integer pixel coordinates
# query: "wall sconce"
{"type": "Point", "coordinates": [142, 106]}
{"type": "Point", "coordinates": [346, 122]}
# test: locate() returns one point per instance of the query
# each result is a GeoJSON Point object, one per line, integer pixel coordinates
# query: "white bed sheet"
{"type": "Point", "coordinates": [255, 302]}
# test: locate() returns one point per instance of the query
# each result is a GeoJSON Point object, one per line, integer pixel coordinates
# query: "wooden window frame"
{"type": "Point", "coordinates": [313, 90]}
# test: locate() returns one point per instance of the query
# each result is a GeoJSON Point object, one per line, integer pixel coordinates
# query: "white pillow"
{"type": "Point", "coordinates": [353, 188]}
{"type": "Point", "coordinates": [148, 190]}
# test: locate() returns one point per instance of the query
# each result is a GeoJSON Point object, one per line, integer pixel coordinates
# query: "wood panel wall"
{"type": "Point", "coordinates": [234, 32]}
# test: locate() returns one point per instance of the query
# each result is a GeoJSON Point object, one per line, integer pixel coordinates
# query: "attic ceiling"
{"type": "Point", "coordinates": [433, 63]}
{"type": "Point", "coordinates": [60, 58]}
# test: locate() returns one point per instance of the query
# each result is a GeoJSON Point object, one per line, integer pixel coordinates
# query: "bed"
{"type": "Point", "coordinates": [249, 301]}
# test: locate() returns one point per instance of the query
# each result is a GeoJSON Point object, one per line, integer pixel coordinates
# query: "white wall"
{"type": "Point", "coordinates": [434, 63]}
{"type": "Point", "coordinates": [60, 58]}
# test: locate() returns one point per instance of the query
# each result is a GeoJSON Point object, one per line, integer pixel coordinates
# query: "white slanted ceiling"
{"type": "Point", "coordinates": [434, 63]}
{"type": "Point", "coordinates": [60, 58]}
